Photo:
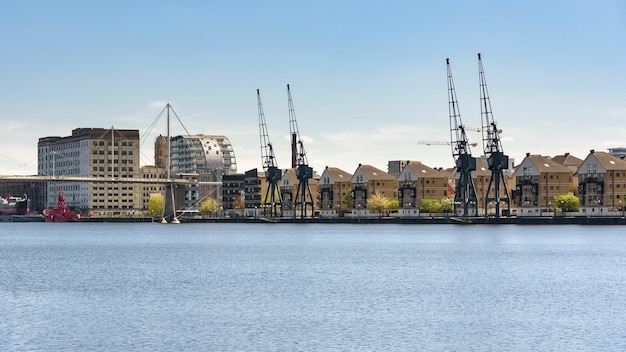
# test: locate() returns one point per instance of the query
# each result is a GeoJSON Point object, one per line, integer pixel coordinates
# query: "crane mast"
{"type": "Point", "coordinates": [273, 174]}
{"type": "Point", "coordinates": [300, 162]}
{"type": "Point", "coordinates": [492, 144]}
{"type": "Point", "coordinates": [465, 190]}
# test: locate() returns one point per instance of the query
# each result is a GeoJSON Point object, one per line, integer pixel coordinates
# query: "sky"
{"type": "Point", "coordinates": [368, 78]}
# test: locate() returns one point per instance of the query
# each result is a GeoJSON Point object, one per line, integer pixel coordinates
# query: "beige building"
{"type": "Point", "coordinates": [418, 182]}
{"type": "Point", "coordinates": [572, 163]}
{"type": "Point", "coordinates": [94, 152]}
{"type": "Point", "coordinates": [481, 181]}
{"type": "Point", "coordinates": [602, 184]}
{"type": "Point", "coordinates": [367, 181]}
{"type": "Point", "coordinates": [150, 189]}
{"type": "Point", "coordinates": [288, 193]}
{"type": "Point", "coordinates": [538, 180]}
{"type": "Point", "coordinates": [333, 185]}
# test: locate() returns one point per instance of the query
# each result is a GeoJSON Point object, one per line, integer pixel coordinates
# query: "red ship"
{"type": "Point", "coordinates": [60, 213]}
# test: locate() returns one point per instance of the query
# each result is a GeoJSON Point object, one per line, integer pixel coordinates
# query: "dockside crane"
{"type": "Point", "coordinates": [273, 174]}
{"type": "Point", "coordinates": [465, 190]}
{"type": "Point", "coordinates": [300, 162]}
{"type": "Point", "coordinates": [496, 159]}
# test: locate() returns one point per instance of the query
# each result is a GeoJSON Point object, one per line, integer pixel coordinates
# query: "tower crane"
{"type": "Point", "coordinates": [496, 159]}
{"type": "Point", "coordinates": [429, 143]}
{"type": "Point", "coordinates": [273, 174]}
{"type": "Point", "coordinates": [300, 162]}
{"type": "Point", "coordinates": [465, 190]}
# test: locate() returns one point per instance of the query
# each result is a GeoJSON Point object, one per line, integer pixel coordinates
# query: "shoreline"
{"type": "Point", "coordinates": [543, 220]}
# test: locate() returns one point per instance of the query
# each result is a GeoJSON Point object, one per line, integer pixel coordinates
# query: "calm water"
{"type": "Point", "coordinates": [282, 287]}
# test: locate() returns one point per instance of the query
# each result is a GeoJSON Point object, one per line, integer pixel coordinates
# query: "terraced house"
{"type": "Point", "coordinates": [416, 183]}
{"type": "Point", "coordinates": [289, 194]}
{"type": "Point", "coordinates": [333, 185]}
{"type": "Point", "coordinates": [601, 183]}
{"type": "Point", "coordinates": [538, 180]}
{"type": "Point", "coordinates": [367, 181]}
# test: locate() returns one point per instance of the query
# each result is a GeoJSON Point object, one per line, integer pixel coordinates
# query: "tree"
{"type": "Point", "coordinates": [447, 204]}
{"type": "Point", "coordinates": [393, 204]}
{"type": "Point", "coordinates": [240, 203]}
{"type": "Point", "coordinates": [567, 202]}
{"type": "Point", "coordinates": [209, 206]}
{"type": "Point", "coordinates": [155, 205]}
{"type": "Point", "coordinates": [347, 200]}
{"type": "Point", "coordinates": [431, 206]}
{"type": "Point", "coordinates": [377, 202]}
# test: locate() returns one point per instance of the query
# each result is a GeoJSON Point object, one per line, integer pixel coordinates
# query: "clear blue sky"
{"type": "Point", "coordinates": [368, 78]}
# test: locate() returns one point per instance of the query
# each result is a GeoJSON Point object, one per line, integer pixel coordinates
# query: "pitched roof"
{"type": "Point", "coordinates": [291, 175]}
{"type": "Point", "coordinates": [448, 173]}
{"type": "Point", "coordinates": [567, 160]}
{"type": "Point", "coordinates": [482, 169]}
{"type": "Point", "coordinates": [337, 174]}
{"type": "Point", "coordinates": [422, 170]}
{"type": "Point", "coordinates": [543, 164]}
{"type": "Point", "coordinates": [372, 173]}
{"type": "Point", "coordinates": [609, 161]}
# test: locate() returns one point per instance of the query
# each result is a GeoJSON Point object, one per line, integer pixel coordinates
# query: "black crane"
{"type": "Point", "coordinates": [465, 190]}
{"type": "Point", "coordinates": [496, 159]}
{"type": "Point", "coordinates": [273, 174]}
{"type": "Point", "coordinates": [299, 161]}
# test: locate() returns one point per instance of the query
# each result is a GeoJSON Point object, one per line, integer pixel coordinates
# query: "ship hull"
{"type": "Point", "coordinates": [14, 206]}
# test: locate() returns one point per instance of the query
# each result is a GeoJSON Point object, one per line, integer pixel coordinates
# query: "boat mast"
{"type": "Point", "coordinates": [169, 167]}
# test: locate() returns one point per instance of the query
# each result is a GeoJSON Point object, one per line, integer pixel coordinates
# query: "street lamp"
{"type": "Point", "coordinates": [549, 207]}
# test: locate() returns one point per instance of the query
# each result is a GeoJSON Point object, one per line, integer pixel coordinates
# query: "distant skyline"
{"type": "Point", "coordinates": [368, 78]}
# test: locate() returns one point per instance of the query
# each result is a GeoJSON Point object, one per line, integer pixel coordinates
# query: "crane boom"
{"type": "Point", "coordinates": [273, 174]}
{"type": "Point", "coordinates": [429, 143]}
{"type": "Point", "coordinates": [299, 157]}
{"type": "Point", "coordinates": [465, 190]}
{"type": "Point", "coordinates": [299, 161]}
{"type": "Point", "coordinates": [492, 144]}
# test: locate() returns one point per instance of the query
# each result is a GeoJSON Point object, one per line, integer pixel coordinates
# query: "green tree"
{"type": "Point", "coordinates": [210, 206]}
{"type": "Point", "coordinates": [377, 202]}
{"type": "Point", "coordinates": [155, 205]}
{"type": "Point", "coordinates": [567, 202]}
{"type": "Point", "coordinates": [447, 204]}
{"type": "Point", "coordinates": [347, 200]}
{"type": "Point", "coordinates": [393, 204]}
{"type": "Point", "coordinates": [431, 206]}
